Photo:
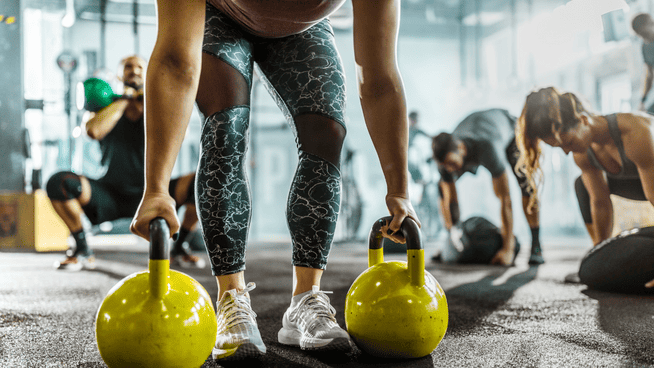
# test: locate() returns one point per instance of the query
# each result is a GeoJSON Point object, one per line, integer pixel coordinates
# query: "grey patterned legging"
{"type": "Point", "coordinates": [304, 75]}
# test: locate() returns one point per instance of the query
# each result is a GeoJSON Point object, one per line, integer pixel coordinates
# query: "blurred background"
{"type": "Point", "coordinates": [456, 57]}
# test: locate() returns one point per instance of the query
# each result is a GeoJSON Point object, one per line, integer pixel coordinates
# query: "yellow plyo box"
{"type": "Point", "coordinates": [29, 221]}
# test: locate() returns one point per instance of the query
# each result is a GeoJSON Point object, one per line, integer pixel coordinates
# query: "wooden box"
{"type": "Point", "coordinates": [29, 221]}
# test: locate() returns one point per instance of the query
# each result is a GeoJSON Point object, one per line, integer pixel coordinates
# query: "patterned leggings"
{"type": "Point", "coordinates": [304, 75]}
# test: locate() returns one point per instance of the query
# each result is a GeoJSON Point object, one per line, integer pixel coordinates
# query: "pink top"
{"type": "Point", "coordinates": [277, 18]}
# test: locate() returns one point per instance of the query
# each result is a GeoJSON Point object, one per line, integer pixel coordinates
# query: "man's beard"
{"type": "Point", "coordinates": [134, 85]}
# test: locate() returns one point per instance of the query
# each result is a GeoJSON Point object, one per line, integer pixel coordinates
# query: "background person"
{"type": "Point", "coordinates": [120, 131]}
{"type": "Point", "coordinates": [486, 138]}
{"type": "Point", "coordinates": [615, 153]}
{"type": "Point", "coordinates": [643, 25]}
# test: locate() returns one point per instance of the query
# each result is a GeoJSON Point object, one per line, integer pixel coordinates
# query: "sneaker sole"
{"type": "Point", "coordinates": [241, 352]}
{"type": "Point", "coordinates": [294, 338]}
{"type": "Point", "coordinates": [536, 260]}
{"type": "Point", "coordinates": [75, 268]}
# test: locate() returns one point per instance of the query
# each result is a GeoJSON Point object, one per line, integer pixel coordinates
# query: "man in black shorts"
{"type": "Point", "coordinates": [643, 25]}
{"type": "Point", "coordinates": [120, 131]}
{"type": "Point", "coordinates": [485, 138]}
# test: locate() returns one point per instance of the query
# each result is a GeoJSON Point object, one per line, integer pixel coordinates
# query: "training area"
{"type": "Point", "coordinates": [326, 183]}
{"type": "Point", "coordinates": [525, 316]}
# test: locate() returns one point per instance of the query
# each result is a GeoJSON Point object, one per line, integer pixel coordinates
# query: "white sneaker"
{"type": "Point", "coordinates": [76, 263]}
{"type": "Point", "coordinates": [238, 335]}
{"type": "Point", "coordinates": [312, 325]}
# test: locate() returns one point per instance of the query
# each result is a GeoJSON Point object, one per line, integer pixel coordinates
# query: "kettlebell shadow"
{"type": "Point", "coordinates": [471, 303]}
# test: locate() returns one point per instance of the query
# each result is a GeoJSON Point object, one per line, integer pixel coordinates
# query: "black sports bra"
{"type": "Point", "coordinates": [628, 169]}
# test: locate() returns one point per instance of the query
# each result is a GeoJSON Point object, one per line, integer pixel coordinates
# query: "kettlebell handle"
{"type": "Point", "coordinates": [409, 229]}
{"type": "Point", "coordinates": [159, 264]}
{"type": "Point", "coordinates": [415, 249]}
{"type": "Point", "coordinates": [159, 242]}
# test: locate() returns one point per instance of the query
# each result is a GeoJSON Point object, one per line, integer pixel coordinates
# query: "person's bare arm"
{"type": "Point", "coordinates": [105, 120]}
{"type": "Point", "coordinates": [649, 77]}
{"type": "Point", "coordinates": [171, 87]}
{"type": "Point", "coordinates": [639, 147]}
{"type": "Point", "coordinates": [381, 91]}
{"type": "Point", "coordinates": [501, 188]}
{"type": "Point", "coordinates": [448, 200]}
{"type": "Point", "coordinates": [601, 207]}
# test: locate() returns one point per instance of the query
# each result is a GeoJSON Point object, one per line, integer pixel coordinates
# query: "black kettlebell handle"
{"type": "Point", "coordinates": [409, 229]}
{"type": "Point", "coordinates": [159, 239]}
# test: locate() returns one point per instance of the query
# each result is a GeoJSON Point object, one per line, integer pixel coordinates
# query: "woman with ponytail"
{"type": "Point", "coordinates": [614, 152]}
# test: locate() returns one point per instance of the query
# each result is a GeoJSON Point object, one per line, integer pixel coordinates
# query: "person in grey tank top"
{"type": "Point", "coordinates": [485, 138]}
{"type": "Point", "coordinates": [614, 152]}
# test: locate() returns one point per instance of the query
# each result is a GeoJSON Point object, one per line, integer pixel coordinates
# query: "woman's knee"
{"type": "Point", "coordinates": [320, 136]}
{"type": "Point", "coordinates": [221, 86]}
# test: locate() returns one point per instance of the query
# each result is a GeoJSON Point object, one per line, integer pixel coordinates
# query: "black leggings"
{"type": "Point", "coordinates": [626, 188]}
{"type": "Point", "coordinates": [303, 73]}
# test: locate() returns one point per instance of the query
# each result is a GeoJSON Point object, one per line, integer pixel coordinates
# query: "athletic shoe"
{"type": "Point", "coordinates": [77, 262]}
{"type": "Point", "coordinates": [536, 256]}
{"type": "Point", "coordinates": [311, 325]}
{"type": "Point", "coordinates": [238, 335]}
{"type": "Point", "coordinates": [187, 261]}
{"type": "Point", "coordinates": [572, 278]}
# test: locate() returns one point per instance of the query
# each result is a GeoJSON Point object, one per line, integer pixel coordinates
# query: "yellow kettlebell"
{"type": "Point", "coordinates": [156, 318]}
{"type": "Point", "coordinates": [396, 309]}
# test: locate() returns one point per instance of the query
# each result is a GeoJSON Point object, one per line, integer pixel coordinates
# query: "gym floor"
{"type": "Point", "coordinates": [498, 317]}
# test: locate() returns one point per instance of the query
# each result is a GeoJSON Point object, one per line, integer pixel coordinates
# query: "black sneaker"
{"type": "Point", "coordinates": [184, 258]}
{"type": "Point", "coordinates": [536, 256]}
{"type": "Point", "coordinates": [572, 278]}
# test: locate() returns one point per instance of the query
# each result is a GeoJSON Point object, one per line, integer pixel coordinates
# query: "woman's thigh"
{"type": "Point", "coordinates": [227, 64]}
{"type": "Point", "coordinates": [304, 73]}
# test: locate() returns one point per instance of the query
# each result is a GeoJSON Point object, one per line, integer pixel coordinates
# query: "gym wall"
{"type": "Point", "coordinates": [12, 105]}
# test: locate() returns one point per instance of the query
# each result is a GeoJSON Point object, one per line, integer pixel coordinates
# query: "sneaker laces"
{"type": "Point", "coordinates": [313, 306]}
{"type": "Point", "coordinates": [236, 309]}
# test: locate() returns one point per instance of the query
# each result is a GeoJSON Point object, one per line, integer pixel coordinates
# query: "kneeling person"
{"type": "Point", "coordinates": [120, 131]}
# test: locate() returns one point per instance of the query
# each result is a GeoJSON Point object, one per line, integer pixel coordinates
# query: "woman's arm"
{"type": "Point", "coordinates": [381, 90]}
{"type": "Point", "coordinates": [639, 147]}
{"type": "Point", "coordinates": [647, 86]}
{"type": "Point", "coordinates": [601, 207]}
{"type": "Point", "coordinates": [171, 87]}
